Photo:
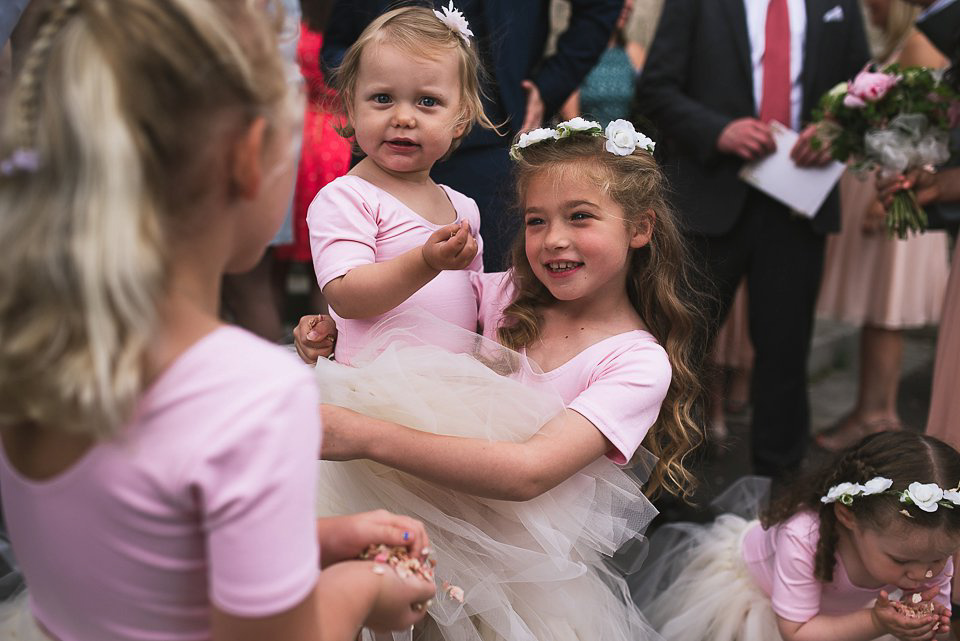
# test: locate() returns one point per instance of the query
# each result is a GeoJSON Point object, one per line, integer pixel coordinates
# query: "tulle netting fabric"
{"type": "Point", "coordinates": [544, 569]}
{"type": "Point", "coordinates": [696, 586]}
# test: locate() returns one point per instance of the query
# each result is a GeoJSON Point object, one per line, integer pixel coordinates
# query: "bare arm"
{"type": "Point", "coordinates": [376, 288]}
{"type": "Point", "coordinates": [499, 470]}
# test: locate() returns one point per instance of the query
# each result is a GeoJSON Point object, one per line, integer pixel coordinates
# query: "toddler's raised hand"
{"type": "Point", "coordinates": [314, 337]}
{"type": "Point", "coordinates": [904, 627]}
{"type": "Point", "coordinates": [450, 247]}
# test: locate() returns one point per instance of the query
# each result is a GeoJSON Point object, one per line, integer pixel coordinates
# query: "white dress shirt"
{"type": "Point", "coordinates": [756, 28]}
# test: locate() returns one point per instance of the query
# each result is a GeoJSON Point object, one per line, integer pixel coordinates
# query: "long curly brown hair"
{"type": "Point", "coordinates": [659, 286]}
{"type": "Point", "coordinates": [901, 456]}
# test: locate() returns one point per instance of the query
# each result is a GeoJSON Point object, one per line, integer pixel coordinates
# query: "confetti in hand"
{"type": "Point", "coordinates": [406, 566]}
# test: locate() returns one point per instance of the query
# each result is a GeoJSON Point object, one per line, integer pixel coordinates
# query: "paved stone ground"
{"type": "Point", "coordinates": [833, 387]}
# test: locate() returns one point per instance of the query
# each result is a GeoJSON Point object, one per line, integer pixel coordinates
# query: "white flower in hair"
{"type": "Point", "coordinates": [843, 492]}
{"type": "Point", "coordinates": [952, 495]}
{"type": "Point", "coordinates": [924, 495]}
{"type": "Point", "coordinates": [456, 21]}
{"type": "Point", "coordinates": [623, 139]}
{"type": "Point", "coordinates": [876, 485]}
{"type": "Point", "coordinates": [578, 125]}
{"type": "Point", "coordinates": [532, 138]}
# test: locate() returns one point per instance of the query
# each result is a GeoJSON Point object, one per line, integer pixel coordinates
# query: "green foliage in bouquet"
{"type": "Point", "coordinates": [895, 119]}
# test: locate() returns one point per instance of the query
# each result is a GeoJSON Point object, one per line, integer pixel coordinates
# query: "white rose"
{"type": "Point", "coordinates": [621, 137]}
{"type": "Point", "coordinates": [925, 495]}
{"type": "Point", "coordinates": [578, 124]}
{"type": "Point", "coordinates": [841, 492]}
{"type": "Point", "coordinates": [535, 136]}
{"type": "Point", "coordinates": [953, 496]}
{"type": "Point", "coordinates": [876, 485]}
{"type": "Point", "coordinates": [839, 89]}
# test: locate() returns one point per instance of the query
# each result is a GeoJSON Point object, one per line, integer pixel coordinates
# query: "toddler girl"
{"type": "Point", "coordinates": [157, 467]}
{"type": "Point", "coordinates": [827, 557]}
{"type": "Point", "coordinates": [517, 477]}
{"type": "Point", "coordinates": [410, 92]}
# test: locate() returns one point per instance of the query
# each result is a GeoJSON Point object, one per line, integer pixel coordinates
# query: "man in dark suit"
{"type": "Point", "coordinates": [717, 72]}
{"type": "Point", "coordinates": [524, 87]}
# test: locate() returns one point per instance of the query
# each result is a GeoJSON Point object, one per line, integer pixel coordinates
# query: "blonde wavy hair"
{"type": "Point", "coordinates": [121, 103]}
{"type": "Point", "coordinates": [659, 285]}
{"type": "Point", "coordinates": [419, 33]}
{"type": "Point", "coordinates": [900, 19]}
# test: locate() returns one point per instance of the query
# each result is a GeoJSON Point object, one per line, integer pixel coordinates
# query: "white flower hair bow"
{"type": "Point", "coordinates": [455, 19]}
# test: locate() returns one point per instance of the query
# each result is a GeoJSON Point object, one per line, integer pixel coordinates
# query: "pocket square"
{"type": "Point", "coordinates": [834, 15]}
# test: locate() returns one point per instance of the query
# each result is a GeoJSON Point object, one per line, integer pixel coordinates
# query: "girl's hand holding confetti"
{"type": "Point", "coordinates": [918, 619]}
{"type": "Point", "coordinates": [450, 247]}
{"type": "Point", "coordinates": [349, 537]}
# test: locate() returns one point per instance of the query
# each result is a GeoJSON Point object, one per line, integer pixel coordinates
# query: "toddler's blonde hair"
{"type": "Point", "coordinates": [419, 33]}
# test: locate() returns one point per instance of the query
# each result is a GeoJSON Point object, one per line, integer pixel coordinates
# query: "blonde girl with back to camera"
{"type": "Point", "coordinates": [157, 467]}
{"type": "Point", "coordinates": [385, 237]}
{"type": "Point", "coordinates": [518, 477]}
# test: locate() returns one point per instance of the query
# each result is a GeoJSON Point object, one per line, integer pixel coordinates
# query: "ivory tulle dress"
{"type": "Point", "coordinates": [537, 570]}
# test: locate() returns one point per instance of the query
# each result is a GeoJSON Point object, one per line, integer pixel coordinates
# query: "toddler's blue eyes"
{"type": "Point", "coordinates": [381, 98]}
{"type": "Point", "coordinates": [428, 102]}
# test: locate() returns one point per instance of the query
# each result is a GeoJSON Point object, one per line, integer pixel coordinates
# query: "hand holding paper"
{"type": "Point", "coordinates": [803, 189]}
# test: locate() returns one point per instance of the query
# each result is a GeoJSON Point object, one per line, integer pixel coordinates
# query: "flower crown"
{"type": "Point", "coordinates": [926, 496]}
{"type": "Point", "coordinates": [456, 21]}
{"type": "Point", "coordinates": [622, 138]}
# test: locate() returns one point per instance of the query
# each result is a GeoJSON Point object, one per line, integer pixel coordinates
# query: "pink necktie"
{"type": "Point", "coordinates": [775, 101]}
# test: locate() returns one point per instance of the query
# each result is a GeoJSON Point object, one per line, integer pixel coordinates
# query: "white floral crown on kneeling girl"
{"type": "Point", "coordinates": [926, 496]}
{"type": "Point", "coordinates": [622, 138]}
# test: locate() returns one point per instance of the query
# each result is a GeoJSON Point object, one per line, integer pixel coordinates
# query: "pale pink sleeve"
{"type": "Point", "coordinates": [343, 229]}
{"type": "Point", "coordinates": [624, 395]}
{"type": "Point", "coordinates": [796, 591]}
{"type": "Point", "coordinates": [255, 488]}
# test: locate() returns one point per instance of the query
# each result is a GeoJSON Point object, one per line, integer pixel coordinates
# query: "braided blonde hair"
{"type": "Point", "coordinates": [119, 101]}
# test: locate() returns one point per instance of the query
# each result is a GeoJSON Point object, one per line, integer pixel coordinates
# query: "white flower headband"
{"type": "Point", "coordinates": [926, 496]}
{"type": "Point", "coordinates": [456, 21]}
{"type": "Point", "coordinates": [622, 138]}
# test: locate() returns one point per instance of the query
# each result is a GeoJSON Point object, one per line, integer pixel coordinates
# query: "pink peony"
{"type": "Point", "coordinates": [868, 86]}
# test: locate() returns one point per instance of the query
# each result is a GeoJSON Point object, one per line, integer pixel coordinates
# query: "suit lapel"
{"type": "Point", "coordinates": [811, 49]}
{"type": "Point", "coordinates": [737, 16]}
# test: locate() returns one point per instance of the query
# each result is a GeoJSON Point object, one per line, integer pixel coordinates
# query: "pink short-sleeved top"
{"type": "Point", "coordinates": [353, 222]}
{"type": "Point", "coordinates": [206, 498]}
{"type": "Point", "coordinates": [618, 383]}
{"type": "Point", "coordinates": [781, 560]}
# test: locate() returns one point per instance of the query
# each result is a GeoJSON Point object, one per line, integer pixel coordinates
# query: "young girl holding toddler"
{"type": "Point", "coordinates": [826, 559]}
{"type": "Point", "coordinates": [385, 237]}
{"type": "Point", "coordinates": [518, 476]}
{"type": "Point", "coordinates": [157, 467]}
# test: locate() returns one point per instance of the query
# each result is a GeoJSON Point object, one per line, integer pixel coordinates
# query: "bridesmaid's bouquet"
{"type": "Point", "coordinates": [892, 119]}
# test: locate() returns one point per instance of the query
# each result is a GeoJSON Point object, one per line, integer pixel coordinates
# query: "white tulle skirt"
{"type": "Point", "coordinates": [536, 570]}
{"type": "Point", "coordinates": [701, 589]}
